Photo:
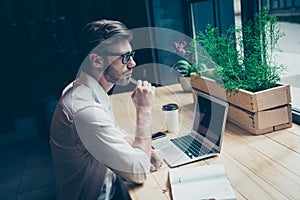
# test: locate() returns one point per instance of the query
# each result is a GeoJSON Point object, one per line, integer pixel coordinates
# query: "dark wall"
{"type": "Point", "coordinates": [41, 48]}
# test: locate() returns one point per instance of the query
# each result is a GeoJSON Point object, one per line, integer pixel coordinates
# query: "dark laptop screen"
{"type": "Point", "coordinates": [209, 119]}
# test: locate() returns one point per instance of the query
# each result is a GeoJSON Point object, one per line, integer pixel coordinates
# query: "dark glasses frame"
{"type": "Point", "coordinates": [125, 56]}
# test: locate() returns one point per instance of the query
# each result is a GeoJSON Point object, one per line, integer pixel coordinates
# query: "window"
{"type": "Point", "coordinates": [218, 13]}
{"type": "Point", "coordinates": [286, 11]}
{"type": "Point", "coordinates": [170, 16]}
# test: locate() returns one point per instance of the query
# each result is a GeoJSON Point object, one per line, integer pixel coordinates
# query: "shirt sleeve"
{"type": "Point", "coordinates": [99, 134]}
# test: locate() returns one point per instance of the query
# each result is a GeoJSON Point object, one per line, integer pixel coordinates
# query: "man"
{"type": "Point", "coordinates": [90, 153]}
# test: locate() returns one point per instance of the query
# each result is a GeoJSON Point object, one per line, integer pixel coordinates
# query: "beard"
{"type": "Point", "coordinates": [113, 76]}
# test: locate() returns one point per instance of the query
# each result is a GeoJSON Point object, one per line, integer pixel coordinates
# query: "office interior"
{"type": "Point", "coordinates": [42, 51]}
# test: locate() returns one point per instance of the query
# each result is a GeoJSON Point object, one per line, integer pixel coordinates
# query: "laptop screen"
{"type": "Point", "coordinates": [210, 117]}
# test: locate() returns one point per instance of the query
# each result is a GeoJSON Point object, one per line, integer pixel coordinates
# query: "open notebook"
{"type": "Point", "coordinates": [200, 182]}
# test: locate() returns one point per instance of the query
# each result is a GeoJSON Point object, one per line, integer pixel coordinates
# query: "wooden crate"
{"type": "Point", "coordinates": [259, 112]}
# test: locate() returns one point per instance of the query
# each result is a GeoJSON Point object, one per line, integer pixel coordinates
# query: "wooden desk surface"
{"type": "Point", "coordinates": [258, 167]}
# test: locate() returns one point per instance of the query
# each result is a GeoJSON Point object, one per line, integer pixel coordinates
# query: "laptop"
{"type": "Point", "coordinates": [204, 140]}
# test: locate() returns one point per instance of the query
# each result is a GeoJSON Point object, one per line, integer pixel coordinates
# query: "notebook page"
{"type": "Point", "coordinates": [194, 174]}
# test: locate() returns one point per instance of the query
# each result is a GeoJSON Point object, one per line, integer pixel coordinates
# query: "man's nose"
{"type": "Point", "coordinates": [131, 63]}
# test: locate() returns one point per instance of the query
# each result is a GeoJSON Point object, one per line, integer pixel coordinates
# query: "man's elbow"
{"type": "Point", "coordinates": [135, 170]}
{"type": "Point", "coordinates": [137, 178]}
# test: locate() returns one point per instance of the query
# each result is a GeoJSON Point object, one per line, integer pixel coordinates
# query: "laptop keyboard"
{"type": "Point", "coordinates": [191, 147]}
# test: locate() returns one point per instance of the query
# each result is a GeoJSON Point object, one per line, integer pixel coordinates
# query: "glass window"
{"type": "Point", "coordinates": [169, 16]}
{"type": "Point", "coordinates": [290, 47]}
{"type": "Point", "coordinates": [202, 14]}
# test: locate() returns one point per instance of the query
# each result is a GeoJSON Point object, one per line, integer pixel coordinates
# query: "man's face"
{"type": "Point", "coordinates": [116, 71]}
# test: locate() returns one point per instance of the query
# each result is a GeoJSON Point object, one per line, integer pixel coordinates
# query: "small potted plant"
{"type": "Point", "coordinates": [245, 70]}
{"type": "Point", "coordinates": [183, 67]}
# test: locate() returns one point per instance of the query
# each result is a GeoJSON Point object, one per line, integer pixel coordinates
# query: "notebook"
{"type": "Point", "coordinates": [205, 138]}
{"type": "Point", "coordinates": [200, 182]}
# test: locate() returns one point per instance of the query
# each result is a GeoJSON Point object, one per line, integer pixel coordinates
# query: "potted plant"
{"type": "Point", "coordinates": [245, 73]}
{"type": "Point", "coordinates": [183, 67]}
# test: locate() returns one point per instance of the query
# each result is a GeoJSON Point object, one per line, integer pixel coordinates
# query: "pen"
{"type": "Point", "coordinates": [132, 80]}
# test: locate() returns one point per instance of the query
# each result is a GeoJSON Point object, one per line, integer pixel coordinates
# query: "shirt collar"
{"type": "Point", "coordinates": [98, 92]}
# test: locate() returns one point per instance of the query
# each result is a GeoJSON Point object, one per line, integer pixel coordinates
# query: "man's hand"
{"type": "Point", "coordinates": [144, 95]}
{"type": "Point", "coordinates": [156, 160]}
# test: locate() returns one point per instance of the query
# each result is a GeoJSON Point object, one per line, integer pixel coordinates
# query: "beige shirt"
{"type": "Point", "coordinates": [85, 141]}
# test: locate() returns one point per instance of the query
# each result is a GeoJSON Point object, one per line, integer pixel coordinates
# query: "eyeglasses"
{"type": "Point", "coordinates": [125, 56]}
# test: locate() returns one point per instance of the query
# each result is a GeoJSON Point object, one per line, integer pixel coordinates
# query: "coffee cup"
{"type": "Point", "coordinates": [171, 116]}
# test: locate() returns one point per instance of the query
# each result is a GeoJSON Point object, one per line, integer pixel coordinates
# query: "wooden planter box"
{"type": "Point", "coordinates": [259, 112]}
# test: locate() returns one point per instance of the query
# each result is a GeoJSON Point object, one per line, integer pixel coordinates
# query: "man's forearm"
{"type": "Point", "coordinates": [142, 138]}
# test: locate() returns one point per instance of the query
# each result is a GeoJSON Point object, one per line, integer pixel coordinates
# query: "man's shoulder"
{"type": "Point", "coordinates": [77, 96]}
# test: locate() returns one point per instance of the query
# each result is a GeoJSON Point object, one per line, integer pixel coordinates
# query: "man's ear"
{"type": "Point", "coordinates": [96, 60]}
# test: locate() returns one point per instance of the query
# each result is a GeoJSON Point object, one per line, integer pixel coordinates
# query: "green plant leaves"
{"type": "Point", "coordinates": [183, 67]}
{"type": "Point", "coordinates": [244, 57]}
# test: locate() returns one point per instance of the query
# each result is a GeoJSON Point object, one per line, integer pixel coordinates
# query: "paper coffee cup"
{"type": "Point", "coordinates": [171, 115]}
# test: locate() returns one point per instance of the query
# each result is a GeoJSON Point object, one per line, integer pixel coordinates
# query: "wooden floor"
{"type": "Point", "coordinates": [258, 167]}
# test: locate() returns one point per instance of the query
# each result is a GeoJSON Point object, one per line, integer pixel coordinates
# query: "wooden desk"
{"type": "Point", "coordinates": [258, 167]}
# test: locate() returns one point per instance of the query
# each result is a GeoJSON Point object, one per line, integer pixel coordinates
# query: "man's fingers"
{"type": "Point", "coordinates": [139, 83]}
{"type": "Point", "coordinates": [152, 168]}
